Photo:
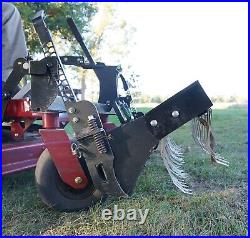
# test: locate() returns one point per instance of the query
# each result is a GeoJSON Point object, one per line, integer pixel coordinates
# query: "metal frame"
{"type": "Point", "coordinates": [114, 158]}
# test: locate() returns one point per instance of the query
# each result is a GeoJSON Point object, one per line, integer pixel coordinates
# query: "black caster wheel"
{"type": "Point", "coordinates": [58, 195]}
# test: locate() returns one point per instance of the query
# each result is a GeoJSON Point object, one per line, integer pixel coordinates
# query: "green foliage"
{"type": "Point", "coordinates": [81, 12]}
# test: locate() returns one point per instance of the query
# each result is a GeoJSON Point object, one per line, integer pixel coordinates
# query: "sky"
{"type": "Point", "coordinates": [179, 43]}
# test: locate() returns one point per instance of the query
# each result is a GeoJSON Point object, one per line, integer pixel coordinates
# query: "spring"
{"type": "Point", "coordinates": [100, 144]}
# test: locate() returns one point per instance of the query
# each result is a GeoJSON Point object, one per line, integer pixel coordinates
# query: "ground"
{"type": "Point", "coordinates": [218, 207]}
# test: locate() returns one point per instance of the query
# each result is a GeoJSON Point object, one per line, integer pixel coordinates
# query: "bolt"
{"type": "Point", "coordinates": [153, 123]}
{"type": "Point", "coordinates": [19, 62]}
{"type": "Point", "coordinates": [81, 62]}
{"type": "Point", "coordinates": [71, 110]}
{"type": "Point", "coordinates": [75, 119]}
{"type": "Point", "coordinates": [175, 114]}
{"type": "Point", "coordinates": [16, 135]}
{"type": "Point", "coordinates": [78, 180]}
{"type": "Point", "coordinates": [73, 148]}
{"type": "Point", "coordinates": [26, 65]}
{"type": "Point", "coordinates": [65, 59]}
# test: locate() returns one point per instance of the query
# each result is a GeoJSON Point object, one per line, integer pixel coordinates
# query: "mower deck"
{"type": "Point", "coordinates": [22, 155]}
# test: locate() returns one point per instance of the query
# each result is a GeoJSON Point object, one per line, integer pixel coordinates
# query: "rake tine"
{"type": "Point", "coordinates": [177, 147]}
{"type": "Point", "coordinates": [203, 136]}
{"type": "Point", "coordinates": [174, 148]}
{"type": "Point", "coordinates": [173, 161]}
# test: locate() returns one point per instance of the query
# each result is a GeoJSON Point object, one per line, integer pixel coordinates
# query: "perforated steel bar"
{"type": "Point", "coordinates": [49, 50]}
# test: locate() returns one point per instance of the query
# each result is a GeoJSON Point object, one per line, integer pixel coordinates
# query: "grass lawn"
{"type": "Point", "coordinates": [218, 207]}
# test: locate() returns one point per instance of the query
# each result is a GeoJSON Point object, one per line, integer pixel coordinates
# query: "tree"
{"type": "Point", "coordinates": [112, 41]}
{"type": "Point", "coordinates": [81, 12]}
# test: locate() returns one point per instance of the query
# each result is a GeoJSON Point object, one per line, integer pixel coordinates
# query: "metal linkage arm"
{"type": "Point", "coordinates": [85, 121]}
{"type": "Point", "coordinates": [107, 75]}
{"type": "Point", "coordinates": [49, 49]}
{"type": "Point", "coordinates": [21, 68]}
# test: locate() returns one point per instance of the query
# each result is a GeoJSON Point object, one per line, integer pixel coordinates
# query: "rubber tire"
{"type": "Point", "coordinates": [58, 195]}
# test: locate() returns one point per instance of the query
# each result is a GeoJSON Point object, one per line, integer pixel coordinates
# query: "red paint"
{"type": "Point", "coordinates": [67, 164]}
{"type": "Point", "coordinates": [20, 156]}
{"type": "Point", "coordinates": [50, 120]}
{"type": "Point", "coordinates": [19, 110]}
{"type": "Point", "coordinates": [107, 125]}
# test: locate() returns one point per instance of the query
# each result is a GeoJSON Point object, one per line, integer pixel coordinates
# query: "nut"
{"type": "Point", "coordinates": [71, 110]}
{"type": "Point", "coordinates": [78, 180]}
{"type": "Point", "coordinates": [75, 119]}
{"type": "Point", "coordinates": [26, 65]}
{"type": "Point", "coordinates": [175, 114]}
{"type": "Point", "coordinates": [154, 123]}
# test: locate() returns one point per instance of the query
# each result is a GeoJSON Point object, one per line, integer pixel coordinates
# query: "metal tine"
{"type": "Point", "coordinates": [207, 128]}
{"type": "Point", "coordinates": [220, 160]}
{"type": "Point", "coordinates": [202, 136]}
{"type": "Point", "coordinates": [173, 166]}
{"type": "Point", "coordinates": [177, 147]}
{"type": "Point", "coordinates": [173, 148]}
{"type": "Point", "coordinates": [176, 158]}
{"type": "Point", "coordinates": [180, 184]}
{"type": "Point", "coordinates": [177, 168]}
{"type": "Point", "coordinates": [179, 155]}
{"type": "Point", "coordinates": [179, 173]}
{"type": "Point", "coordinates": [196, 127]}
{"type": "Point", "coordinates": [195, 133]}
{"type": "Point", "coordinates": [181, 187]}
{"type": "Point", "coordinates": [167, 154]}
{"type": "Point", "coordinates": [177, 151]}
{"type": "Point", "coordinates": [178, 164]}
{"type": "Point", "coordinates": [199, 132]}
